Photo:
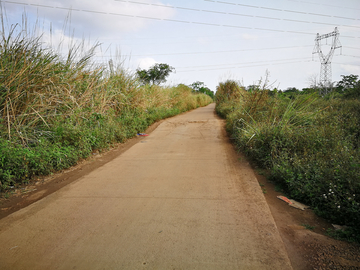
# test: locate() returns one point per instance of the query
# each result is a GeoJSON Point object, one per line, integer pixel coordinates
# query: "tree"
{"type": "Point", "coordinates": [291, 92]}
{"type": "Point", "coordinates": [349, 81]}
{"type": "Point", "coordinates": [349, 86]}
{"type": "Point", "coordinates": [201, 88]}
{"type": "Point", "coordinates": [155, 75]}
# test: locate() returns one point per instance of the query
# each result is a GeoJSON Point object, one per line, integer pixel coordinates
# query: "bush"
{"type": "Point", "coordinates": [309, 145]}
{"type": "Point", "coordinates": [55, 111]}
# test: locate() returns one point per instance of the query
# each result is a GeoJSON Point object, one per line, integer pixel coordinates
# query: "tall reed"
{"type": "Point", "coordinates": [55, 109]}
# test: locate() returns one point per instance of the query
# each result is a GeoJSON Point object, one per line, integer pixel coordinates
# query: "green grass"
{"type": "Point", "coordinates": [349, 234]}
{"type": "Point", "coordinates": [308, 227]}
{"type": "Point", "coordinates": [310, 146]}
{"type": "Point", "coordinates": [55, 110]}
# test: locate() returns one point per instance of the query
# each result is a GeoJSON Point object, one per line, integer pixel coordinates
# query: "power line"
{"type": "Point", "coordinates": [169, 20]}
{"type": "Point", "coordinates": [211, 52]}
{"type": "Point", "coordinates": [349, 64]}
{"type": "Point", "coordinates": [250, 66]}
{"type": "Point", "coordinates": [351, 47]}
{"type": "Point", "coordinates": [245, 15]}
{"type": "Point", "coordinates": [351, 56]}
{"type": "Point", "coordinates": [284, 10]}
{"type": "Point", "coordinates": [237, 67]}
{"type": "Point", "coordinates": [306, 2]}
{"type": "Point", "coordinates": [245, 63]}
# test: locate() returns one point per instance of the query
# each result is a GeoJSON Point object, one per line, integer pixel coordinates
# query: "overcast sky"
{"type": "Point", "coordinates": [205, 40]}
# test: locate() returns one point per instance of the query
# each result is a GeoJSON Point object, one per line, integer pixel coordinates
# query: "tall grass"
{"type": "Point", "coordinates": [309, 144]}
{"type": "Point", "coordinates": [55, 110]}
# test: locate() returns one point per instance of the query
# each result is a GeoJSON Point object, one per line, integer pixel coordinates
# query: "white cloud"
{"type": "Point", "coordinates": [203, 40]}
{"type": "Point", "coordinates": [62, 43]}
{"type": "Point", "coordinates": [71, 23]}
{"type": "Point", "coordinates": [96, 18]}
{"type": "Point", "coordinates": [145, 63]}
{"type": "Point", "coordinates": [249, 37]}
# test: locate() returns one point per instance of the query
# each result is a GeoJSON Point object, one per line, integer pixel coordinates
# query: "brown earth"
{"type": "Point", "coordinates": [181, 198]}
{"type": "Point", "coordinates": [308, 248]}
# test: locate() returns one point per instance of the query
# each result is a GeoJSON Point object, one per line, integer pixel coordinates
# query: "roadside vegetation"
{"type": "Point", "coordinates": [55, 110]}
{"type": "Point", "coordinates": [308, 143]}
{"type": "Point", "coordinates": [200, 87]}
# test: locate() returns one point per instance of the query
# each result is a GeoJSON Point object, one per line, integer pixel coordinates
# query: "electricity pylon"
{"type": "Point", "coordinates": [325, 71]}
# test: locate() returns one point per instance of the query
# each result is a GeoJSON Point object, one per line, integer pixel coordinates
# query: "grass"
{"type": "Point", "coordinates": [55, 110]}
{"type": "Point", "coordinates": [309, 145]}
{"type": "Point", "coordinates": [308, 227]}
{"type": "Point", "coordinates": [348, 234]}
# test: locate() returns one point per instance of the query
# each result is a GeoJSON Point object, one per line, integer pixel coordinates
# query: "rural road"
{"type": "Point", "coordinates": [178, 199]}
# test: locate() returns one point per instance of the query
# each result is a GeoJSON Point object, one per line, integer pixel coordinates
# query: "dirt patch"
{"type": "Point", "coordinates": [304, 235]}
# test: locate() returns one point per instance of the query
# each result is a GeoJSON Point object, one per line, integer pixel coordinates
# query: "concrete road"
{"type": "Point", "coordinates": [178, 199]}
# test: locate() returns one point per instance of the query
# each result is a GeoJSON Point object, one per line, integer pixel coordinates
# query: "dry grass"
{"type": "Point", "coordinates": [55, 110]}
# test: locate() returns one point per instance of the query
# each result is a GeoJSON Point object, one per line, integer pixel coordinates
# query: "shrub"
{"type": "Point", "coordinates": [310, 146]}
{"type": "Point", "coordinates": [55, 111]}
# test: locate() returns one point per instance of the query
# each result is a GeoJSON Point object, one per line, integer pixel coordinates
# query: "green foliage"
{"type": "Point", "coordinates": [229, 91]}
{"type": "Point", "coordinates": [308, 227]}
{"type": "Point", "coordinates": [55, 112]}
{"type": "Point", "coordinates": [348, 81]}
{"type": "Point", "coordinates": [309, 144]}
{"type": "Point", "coordinates": [19, 164]}
{"type": "Point", "coordinates": [200, 87]}
{"type": "Point", "coordinates": [349, 234]}
{"type": "Point", "coordinates": [155, 75]}
{"type": "Point", "coordinates": [349, 86]}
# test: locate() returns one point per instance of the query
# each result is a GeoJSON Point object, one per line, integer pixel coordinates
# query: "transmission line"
{"type": "Point", "coordinates": [226, 51]}
{"type": "Point", "coordinates": [245, 63]}
{"type": "Point", "coordinates": [245, 15]}
{"type": "Point", "coordinates": [350, 55]}
{"type": "Point", "coordinates": [237, 67]}
{"type": "Point", "coordinates": [169, 20]}
{"type": "Point", "coordinates": [306, 2]}
{"type": "Point", "coordinates": [293, 11]}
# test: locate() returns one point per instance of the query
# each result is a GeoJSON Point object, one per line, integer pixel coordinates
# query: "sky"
{"type": "Point", "coordinates": [204, 40]}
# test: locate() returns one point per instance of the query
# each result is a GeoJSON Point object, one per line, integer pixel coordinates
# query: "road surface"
{"type": "Point", "coordinates": [178, 199]}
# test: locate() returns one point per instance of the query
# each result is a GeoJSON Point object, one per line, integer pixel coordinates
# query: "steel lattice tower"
{"type": "Point", "coordinates": [325, 71]}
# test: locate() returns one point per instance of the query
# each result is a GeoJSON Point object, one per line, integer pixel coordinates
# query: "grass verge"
{"type": "Point", "coordinates": [309, 144]}
{"type": "Point", "coordinates": [55, 111]}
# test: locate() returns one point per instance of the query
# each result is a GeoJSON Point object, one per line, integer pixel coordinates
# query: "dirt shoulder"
{"type": "Point", "coordinates": [304, 235]}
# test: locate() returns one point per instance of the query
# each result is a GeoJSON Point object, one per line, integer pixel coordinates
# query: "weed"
{"type": "Point", "coordinates": [278, 188]}
{"type": "Point", "coordinates": [309, 146]}
{"type": "Point", "coordinates": [348, 234]}
{"type": "Point", "coordinates": [260, 171]}
{"type": "Point", "coordinates": [55, 111]}
{"type": "Point", "coordinates": [308, 227]}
